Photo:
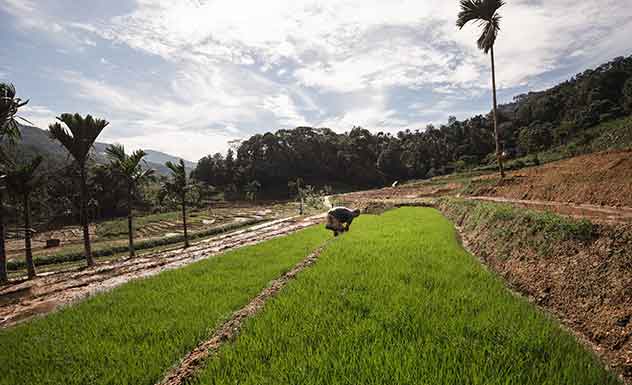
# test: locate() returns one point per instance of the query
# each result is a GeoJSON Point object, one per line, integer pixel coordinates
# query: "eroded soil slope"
{"type": "Point", "coordinates": [581, 272]}
{"type": "Point", "coordinates": [600, 179]}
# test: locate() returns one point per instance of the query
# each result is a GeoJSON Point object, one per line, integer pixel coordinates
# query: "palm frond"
{"type": "Point", "coordinates": [489, 34]}
{"type": "Point", "coordinates": [116, 152]}
{"type": "Point", "coordinates": [59, 133]}
{"type": "Point", "coordinates": [136, 158]}
{"type": "Point", "coordinates": [9, 106]}
{"type": "Point", "coordinates": [178, 181]}
{"type": "Point", "coordinates": [82, 135]}
{"type": "Point", "coordinates": [23, 178]}
{"type": "Point", "coordinates": [485, 13]}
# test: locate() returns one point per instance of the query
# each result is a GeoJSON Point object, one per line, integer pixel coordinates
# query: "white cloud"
{"type": "Point", "coordinates": [236, 66]}
{"type": "Point", "coordinates": [40, 116]}
{"type": "Point", "coordinates": [284, 109]}
{"type": "Point", "coordinates": [197, 144]}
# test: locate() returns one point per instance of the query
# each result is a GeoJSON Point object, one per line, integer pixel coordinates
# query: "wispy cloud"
{"type": "Point", "coordinates": [229, 68]}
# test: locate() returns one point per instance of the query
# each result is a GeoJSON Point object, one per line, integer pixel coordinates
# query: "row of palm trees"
{"type": "Point", "coordinates": [77, 135]}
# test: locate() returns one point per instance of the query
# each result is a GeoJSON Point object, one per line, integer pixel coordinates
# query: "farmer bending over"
{"type": "Point", "coordinates": [339, 219]}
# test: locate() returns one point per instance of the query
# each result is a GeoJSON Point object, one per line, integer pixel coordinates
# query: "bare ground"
{"type": "Point", "coordinates": [603, 178]}
{"type": "Point", "coordinates": [24, 300]}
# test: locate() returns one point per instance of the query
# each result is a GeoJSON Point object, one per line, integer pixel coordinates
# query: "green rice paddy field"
{"type": "Point", "coordinates": [394, 301]}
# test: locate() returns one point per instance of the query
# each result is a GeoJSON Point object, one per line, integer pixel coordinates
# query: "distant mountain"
{"type": "Point", "coordinates": [162, 158]}
{"type": "Point", "coordinates": [36, 140]}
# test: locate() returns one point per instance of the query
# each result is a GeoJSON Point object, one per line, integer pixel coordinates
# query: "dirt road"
{"type": "Point", "coordinates": [22, 301]}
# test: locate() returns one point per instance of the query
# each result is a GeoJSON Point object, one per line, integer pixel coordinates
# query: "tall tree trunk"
{"type": "Point", "coordinates": [499, 157]}
{"type": "Point", "coordinates": [84, 216]}
{"type": "Point", "coordinates": [3, 257]}
{"type": "Point", "coordinates": [130, 225]}
{"type": "Point", "coordinates": [184, 221]}
{"type": "Point", "coordinates": [30, 266]}
{"type": "Point", "coordinates": [300, 195]}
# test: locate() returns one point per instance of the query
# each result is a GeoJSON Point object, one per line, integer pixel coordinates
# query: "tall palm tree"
{"type": "Point", "coordinates": [84, 133]}
{"type": "Point", "coordinates": [130, 169]}
{"type": "Point", "coordinates": [9, 131]}
{"type": "Point", "coordinates": [22, 180]}
{"type": "Point", "coordinates": [485, 14]}
{"type": "Point", "coordinates": [177, 186]}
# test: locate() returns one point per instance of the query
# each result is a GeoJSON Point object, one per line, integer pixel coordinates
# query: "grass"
{"type": "Point", "coordinates": [398, 301]}
{"type": "Point", "coordinates": [547, 226]}
{"type": "Point", "coordinates": [135, 333]}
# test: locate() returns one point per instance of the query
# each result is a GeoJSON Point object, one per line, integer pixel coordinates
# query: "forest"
{"type": "Point", "coordinates": [532, 123]}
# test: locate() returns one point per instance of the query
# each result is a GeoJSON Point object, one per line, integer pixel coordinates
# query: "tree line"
{"type": "Point", "coordinates": [531, 123]}
{"type": "Point", "coordinates": [21, 179]}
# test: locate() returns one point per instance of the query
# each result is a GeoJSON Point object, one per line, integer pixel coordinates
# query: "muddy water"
{"type": "Point", "coordinates": [22, 301]}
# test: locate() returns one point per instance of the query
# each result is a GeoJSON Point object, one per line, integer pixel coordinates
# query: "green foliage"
{"type": "Point", "coordinates": [562, 121]}
{"type": "Point", "coordinates": [542, 225]}
{"type": "Point", "coordinates": [22, 179]}
{"type": "Point", "coordinates": [83, 133]}
{"type": "Point", "coordinates": [252, 189]}
{"type": "Point", "coordinates": [398, 301]}
{"type": "Point", "coordinates": [9, 106]}
{"type": "Point", "coordinates": [129, 167]}
{"type": "Point", "coordinates": [136, 332]}
{"type": "Point", "coordinates": [485, 14]}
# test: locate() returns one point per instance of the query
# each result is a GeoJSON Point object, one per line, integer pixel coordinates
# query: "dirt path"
{"type": "Point", "coordinates": [592, 212]}
{"type": "Point", "coordinates": [229, 329]}
{"type": "Point", "coordinates": [22, 301]}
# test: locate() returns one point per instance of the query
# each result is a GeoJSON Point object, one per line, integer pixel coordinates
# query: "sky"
{"type": "Point", "coordinates": [188, 76]}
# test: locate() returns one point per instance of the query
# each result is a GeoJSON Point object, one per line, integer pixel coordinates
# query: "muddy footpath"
{"type": "Point", "coordinates": [24, 300]}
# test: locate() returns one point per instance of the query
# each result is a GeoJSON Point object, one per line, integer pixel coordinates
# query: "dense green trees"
{"type": "Point", "coordinates": [83, 134]}
{"type": "Point", "coordinates": [532, 122]}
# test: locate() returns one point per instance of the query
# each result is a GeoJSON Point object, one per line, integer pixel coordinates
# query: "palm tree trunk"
{"type": "Point", "coordinates": [184, 221]}
{"type": "Point", "coordinates": [3, 257]}
{"type": "Point", "coordinates": [499, 157]}
{"type": "Point", "coordinates": [130, 225]}
{"type": "Point", "coordinates": [84, 216]}
{"type": "Point", "coordinates": [30, 266]}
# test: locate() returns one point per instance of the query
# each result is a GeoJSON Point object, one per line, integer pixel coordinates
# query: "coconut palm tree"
{"type": "Point", "coordinates": [9, 131]}
{"type": "Point", "coordinates": [84, 133]}
{"type": "Point", "coordinates": [22, 180]}
{"type": "Point", "coordinates": [485, 14]}
{"type": "Point", "coordinates": [177, 186]}
{"type": "Point", "coordinates": [130, 169]}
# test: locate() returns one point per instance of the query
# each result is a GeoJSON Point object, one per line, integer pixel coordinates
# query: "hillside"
{"type": "Point", "coordinates": [589, 112]}
{"type": "Point", "coordinates": [35, 140]}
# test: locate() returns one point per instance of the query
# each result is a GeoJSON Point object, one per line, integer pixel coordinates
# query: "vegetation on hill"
{"type": "Point", "coordinates": [564, 116]}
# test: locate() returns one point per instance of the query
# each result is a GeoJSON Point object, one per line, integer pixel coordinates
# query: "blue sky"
{"type": "Point", "coordinates": [187, 76]}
